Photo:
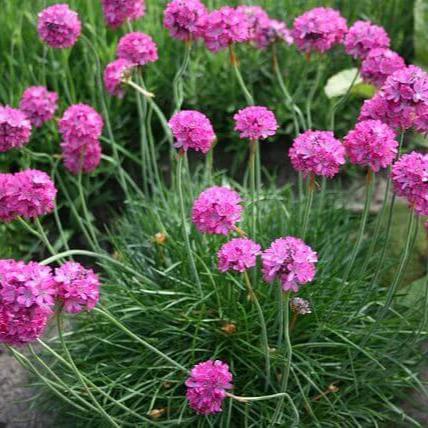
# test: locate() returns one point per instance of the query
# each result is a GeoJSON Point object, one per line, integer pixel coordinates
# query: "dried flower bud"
{"type": "Point", "coordinates": [300, 306]}
{"type": "Point", "coordinates": [157, 413]}
{"type": "Point", "coordinates": [229, 328]}
{"type": "Point", "coordinates": [160, 238]}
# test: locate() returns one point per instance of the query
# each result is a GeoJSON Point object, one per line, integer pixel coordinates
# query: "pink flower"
{"type": "Point", "coordinates": [7, 188]}
{"type": "Point", "coordinates": [410, 180]}
{"type": "Point", "coordinates": [183, 18]}
{"type": "Point", "coordinates": [78, 288]}
{"type": "Point", "coordinates": [375, 108]}
{"type": "Point", "coordinates": [364, 36]}
{"type": "Point", "coordinates": [59, 26]}
{"type": "Point", "coordinates": [115, 73]}
{"type": "Point", "coordinates": [80, 122]}
{"type": "Point", "coordinates": [318, 153]}
{"type": "Point", "coordinates": [255, 123]}
{"type": "Point", "coordinates": [39, 105]}
{"type": "Point", "coordinates": [138, 48]}
{"type": "Point", "coordinates": [207, 385]}
{"type": "Point", "coordinates": [192, 130]}
{"type": "Point", "coordinates": [217, 210]}
{"type": "Point", "coordinates": [15, 129]}
{"type": "Point", "coordinates": [32, 194]}
{"type": "Point", "coordinates": [372, 144]}
{"type": "Point", "coordinates": [379, 64]}
{"type": "Point", "coordinates": [81, 157]}
{"type": "Point", "coordinates": [290, 261]}
{"type": "Point", "coordinates": [222, 27]}
{"type": "Point", "coordinates": [239, 254]}
{"type": "Point", "coordinates": [27, 293]}
{"type": "Point", "coordinates": [117, 12]}
{"type": "Point", "coordinates": [319, 29]}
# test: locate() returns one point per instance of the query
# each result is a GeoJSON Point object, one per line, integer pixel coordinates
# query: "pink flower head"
{"type": "Point", "coordinates": [27, 294]}
{"type": "Point", "coordinates": [32, 194]}
{"type": "Point", "coordinates": [207, 385]}
{"type": "Point", "coordinates": [379, 64]}
{"type": "Point", "coordinates": [15, 129]}
{"type": "Point", "coordinates": [364, 36]}
{"type": "Point", "coordinates": [39, 105]}
{"type": "Point", "coordinates": [217, 210]}
{"type": "Point", "coordinates": [82, 157]}
{"type": "Point", "coordinates": [239, 254]}
{"type": "Point", "coordinates": [319, 29]}
{"type": "Point", "coordinates": [78, 288]}
{"type": "Point", "coordinates": [115, 73]}
{"type": "Point", "coordinates": [272, 31]}
{"type": "Point", "coordinates": [183, 18]}
{"type": "Point", "coordinates": [406, 94]}
{"type": "Point", "coordinates": [117, 12]}
{"type": "Point", "coordinates": [138, 48]}
{"type": "Point", "coordinates": [7, 198]}
{"type": "Point", "coordinates": [255, 123]}
{"type": "Point", "coordinates": [222, 27]}
{"type": "Point", "coordinates": [290, 261]}
{"type": "Point", "coordinates": [81, 122]}
{"type": "Point", "coordinates": [59, 26]}
{"type": "Point", "coordinates": [192, 130]}
{"type": "Point", "coordinates": [372, 143]}
{"type": "Point", "coordinates": [410, 180]}
{"type": "Point", "coordinates": [375, 108]}
{"type": "Point", "coordinates": [318, 153]}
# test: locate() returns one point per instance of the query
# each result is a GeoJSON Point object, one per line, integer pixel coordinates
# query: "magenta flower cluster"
{"type": "Point", "coordinates": [39, 105]}
{"type": "Point", "coordinates": [364, 36]}
{"type": "Point", "coordinates": [255, 123]}
{"type": "Point", "coordinates": [15, 129]}
{"type": "Point", "coordinates": [238, 255]}
{"type": "Point", "coordinates": [192, 130]}
{"type": "Point", "coordinates": [118, 12]}
{"type": "Point", "coordinates": [59, 26]}
{"type": "Point", "coordinates": [138, 48]}
{"type": "Point", "coordinates": [77, 287]}
{"type": "Point", "coordinates": [290, 261]}
{"type": "Point", "coordinates": [207, 385]}
{"type": "Point", "coordinates": [217, 210]}
{"type": "Point", "coordinates": [319, 29]}
{"type": "Point", "coordinates": [379, 64]}
{"type": "Point", "coordinates": [223, 27]}
{"type": "Point", "coordinates": [183, 19]}
{"type": "Point", "coordinates": [371, 144]}
{"type": "Point", "coordinates": [81, 127]}
{"type": "Point", "coordinates": [28, 194]}
{"type": "Point", "coordinates": [317, 153]}
{"type": "Point", "coordinates": [115, 73]}
{"type": "Point", "coordinates": [410, 180]}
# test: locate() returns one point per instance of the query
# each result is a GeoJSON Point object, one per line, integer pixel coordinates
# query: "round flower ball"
{"type": "Point", "coordinates": [78, 287]}
{"type": "Point", "coordinates": [364, 36]}
{"type": "Point", "coordinates": [375, 108]}
{"type": "Point", "coordinates": [138, 48]}
{"type": "Point", "coordinates": [115, 73]}
{"type": "Point", "coordinates": [7, 194]}
{"type": "Point", "coordinates": [192, 130]}
{"type": "Point", "coordinates": [290, 261]}
{"type": "Point", "coordinates": [371, 144]}
{"type": "Point", "coordinates": [270, 32]}
{"type": "Point", "coordinates": [183, 18]}
{"type": "Point", "coordinates": [217, 210]}
{"type": "Point", "coordinates": [34, 194]}
{"type": "Point", "coordinates": [317, 153]}
{"type": "Point", "coordinates": [410, 180]}
{"type": "Point", "coordinates": [39, 105]}
{"type": "Point", "coordinates": [379, 64]}
{"type": "Point", "coordinates": [239, 254]}
{"type": "Point", "coordinates": [59, 26]}
{"type": "Point", "coordinates": [117, 12]}
{"type": "Point", "coordinates": [15, 129]}
{"type": "Point", "coordinates": [207, 385]}
{"type": "Point", "coordinates": [255, 123]}
{"type": "Point", "coordinates": [223, 27]}
{"type": "Point", "coordinates": [319, 29]}
{"type": "Point", "coordinates": [81, 158]}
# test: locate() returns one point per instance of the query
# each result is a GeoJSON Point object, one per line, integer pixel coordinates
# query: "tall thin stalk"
{"type": "Point", "coordinates": [253, 185]}
{"type": "Point", "coordinates": [178, 83]}
{"type": "Point", "coordinates": [308, 205]}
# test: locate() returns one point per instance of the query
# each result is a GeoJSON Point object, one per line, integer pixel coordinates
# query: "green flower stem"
{"type": "Point", "coordinates": [261, 398]}
{"type": "Point", "coordinates": [312, 92]}
{"type": "Point", "coordinates": [39, 232]}
{"type": "Point", "coordinates": [289, 354]}
{"type": "Point", "coordinates": [184, 225]}
{"type": "Point", "coordinates": [178, 83]}
{"type": "Point", "coordinates": [76, 371]}
{"type": "Point", "coordinates": [265, 339]}
{"type": "Point", "coordinates": [308, 205]}
{"type": "Point", "coordinates": [141, 341]}
{"type": "Point", "coordinates": [291, 105]}
{"type": "Point", "coordinates": [234, 61]}
{"type": "Point", "coordinates": [253, 188]}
